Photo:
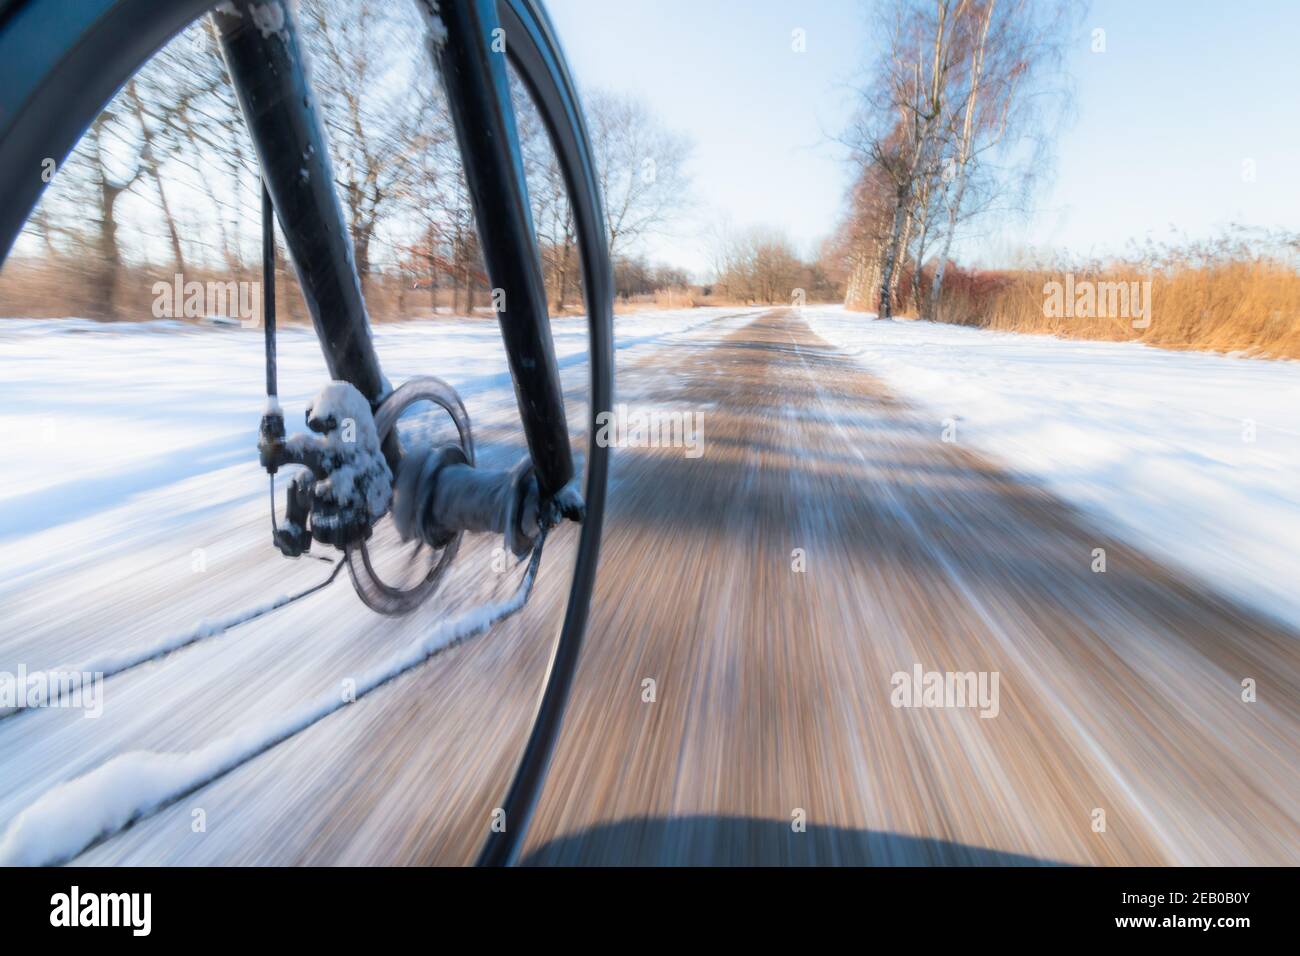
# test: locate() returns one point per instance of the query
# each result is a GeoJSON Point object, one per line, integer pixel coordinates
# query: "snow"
{"type": "Point", "coordinates": [569, 498]}
{"type": "Point", "coordinates": [115, 662]}
{"type": "Point", "coordinates": [269, 18]}
{"type": "Point", "coordinates": [350, 450]}
{"type": "Point", "coordinates": [436, 30]}
{"type": "Point", "coordinates": [72, 815]}
{"type": "Point", "coordinates": [134, 524]}
{"type": "Point", "coordinates": [132, 506]}
{"type": "Point", "coordinates": [1194, 457]}
{"type": "Point", "coordinates": [114, 410]}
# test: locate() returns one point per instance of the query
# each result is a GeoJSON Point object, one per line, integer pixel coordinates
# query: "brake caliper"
{"type": "Point", "coordinates": [347, 486]}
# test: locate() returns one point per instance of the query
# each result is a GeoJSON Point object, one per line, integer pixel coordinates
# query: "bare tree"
{"type": "Point", "coordinates": [641, 167]}
{"type": "Point", "coordinates": [378, 102]}
{"type": "Point", "coordinates": [1013, 45]}
{"type": "Point", "coordinates": [957, 77]}
{"type": "Point", "coordinates": [762, 265]}
{"type": "Point", "coordinates": [641, 170]}
{"type": "Point", "coordinates": [552, 215]}
{"type": "Point", "coordinates": [109, 187]}
{"type": "Point", "coordinates": [174, 140]}
{"type": "Point", "coordinates": [904, 114]}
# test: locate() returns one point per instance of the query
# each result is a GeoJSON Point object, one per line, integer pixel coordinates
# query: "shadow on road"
{"type": "Point", "coordinates": [704, 840]}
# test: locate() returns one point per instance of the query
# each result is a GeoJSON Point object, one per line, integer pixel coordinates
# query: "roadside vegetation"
{"type": "Point", "coordinates": [1237, 293]}
{"type": "Point", "coordinates": [165, 183]}
{"type": "Point", "coordinates": [953, 135]}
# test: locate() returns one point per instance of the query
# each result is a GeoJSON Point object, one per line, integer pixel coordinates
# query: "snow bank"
{"type": "Point", "coordinates": [1191, 456]}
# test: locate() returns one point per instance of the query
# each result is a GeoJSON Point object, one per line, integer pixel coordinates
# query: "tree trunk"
{"type": "Point", "coordinates": [109, 252]}
{"type": "Point", "coordinates": [936, 283]}
{"type": "Point", "coordinates": [361, 255]}
{"type": "Point", "coordinates": [149, 161]}
{"type": "Point", "coordinates": [110, 257]}
{"type": "Point", "coordinates": [923, 123]}
{"type": "Point", "coordinates": [918, 300]}
{"type": "Point", "coordinates": [433, 269]}
{"type": "Point", "coordinates": [964, 159]}
{"type": "Point", "coordinates": [562, 285]}
{"type": "Point", "coordinates": [889, 260]}
{"type": "Point", "coordinates": [902, 256]}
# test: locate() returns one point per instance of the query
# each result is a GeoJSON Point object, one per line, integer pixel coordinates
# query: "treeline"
{"type": "Point", "coordinates": [634, 277]}
{"type": "Point", "coordinates": [165, 181]}
{"type": "Point", "coordinates": [762, 266]}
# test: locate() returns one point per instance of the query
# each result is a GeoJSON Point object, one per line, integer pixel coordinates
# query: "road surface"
{"type": "Point", "coordinates": [827, 539]}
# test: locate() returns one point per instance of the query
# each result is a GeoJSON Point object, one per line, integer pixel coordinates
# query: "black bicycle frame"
{"type": "Point", "coordinates": [60, 62]}
{"type": "Point", "coordinates": [472, 62]}
{"type": "Point", "coordinates": [267, 71]}
{"type": "Point", "coordinates": [270, 80]}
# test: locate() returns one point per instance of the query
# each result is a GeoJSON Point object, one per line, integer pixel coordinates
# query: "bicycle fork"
{"type": "Point", "coordinates": [265, 58]}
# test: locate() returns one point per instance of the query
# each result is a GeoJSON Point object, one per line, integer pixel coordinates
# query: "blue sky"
{"type": "Point", "coordinates": [1164, 120]}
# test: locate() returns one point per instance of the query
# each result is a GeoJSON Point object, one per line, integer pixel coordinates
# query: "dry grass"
{"type": "Point", "coordinates": [63, 287]}
{"type": "Point", "coordinates": [1233, 295]}
{"type": "Point", "coordinates": [47, 289]}
{"type": "Point", "coordinates": [693, 297]}
{"type": "Point", "coordinates": [664, 299]}
{"type": "Point", "coordinates": [1235, 307]}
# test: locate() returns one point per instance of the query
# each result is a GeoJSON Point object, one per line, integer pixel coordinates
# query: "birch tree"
{"type": "Point", "coordinates": [960, 83]}
{"type": "Point", "coordinates": [1011, 49]}
{"type": "Point", "coordinates": [911, 98]}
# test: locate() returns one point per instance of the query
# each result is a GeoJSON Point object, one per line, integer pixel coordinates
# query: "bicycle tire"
{"type": "Point", "coordinates": [59, 68]}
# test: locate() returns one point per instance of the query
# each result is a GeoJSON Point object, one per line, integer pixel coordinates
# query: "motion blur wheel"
{"type": "Point", "coordinates": [69, 61]}
{"type": "Point", "coordinates": [390, 575]}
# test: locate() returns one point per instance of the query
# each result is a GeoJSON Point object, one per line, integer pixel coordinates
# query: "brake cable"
{"type": "Point", "coordinates": [272, 426]}
{"type": "Point", "coordinates": [272, 418]}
